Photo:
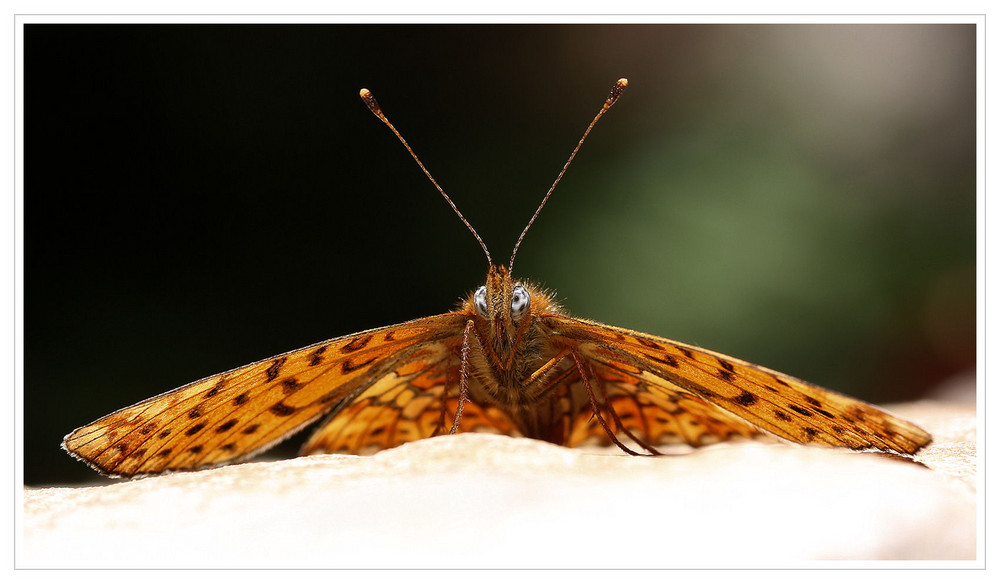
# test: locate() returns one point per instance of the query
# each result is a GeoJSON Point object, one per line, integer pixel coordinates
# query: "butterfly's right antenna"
{"type": "Point", "coordinates": [373, 105]}
{"type": "Point", "coordinates": [616, 92]}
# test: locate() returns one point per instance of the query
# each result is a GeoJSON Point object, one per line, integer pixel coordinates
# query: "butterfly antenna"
{"type": "Point", "coordinates": [616, 92]}
{"type": "Point", "coordinates": [369, 100]}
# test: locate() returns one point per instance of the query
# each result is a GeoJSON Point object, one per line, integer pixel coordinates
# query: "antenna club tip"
{"type": "Point", "coordinates": [369, 100]}
{"type": "Point", "coordinates": [616, 91]}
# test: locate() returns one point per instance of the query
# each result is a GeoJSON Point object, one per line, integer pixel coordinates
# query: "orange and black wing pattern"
{"type": "Point", "coordinates": [232, 415]}
{"type": "Point", "coordinates": [734, 389]}
{"type": "Point", "coordinates": [417, 400]}
{"type": "Point", "coordinates": [655, 414]}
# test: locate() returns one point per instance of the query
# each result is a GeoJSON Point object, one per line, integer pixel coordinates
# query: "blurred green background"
{"type": "Point", "coordinates": [198, 197]}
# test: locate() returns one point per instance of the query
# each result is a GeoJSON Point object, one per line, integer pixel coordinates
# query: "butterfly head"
{"type": "Point", "coordinates": [501, 301]}
{"type": "Point", "coordinates": [505, 309]}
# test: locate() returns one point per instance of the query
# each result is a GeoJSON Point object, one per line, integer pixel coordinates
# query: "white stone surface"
{"type": "Point", "coordinates": [477, 500]}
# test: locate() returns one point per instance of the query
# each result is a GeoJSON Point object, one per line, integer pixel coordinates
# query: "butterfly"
{"type": "Point", "coordinates": [508, 360]}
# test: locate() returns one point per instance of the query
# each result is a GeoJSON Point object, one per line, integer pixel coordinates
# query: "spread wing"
{"type": "Point", "coordinates": [707, 383]}
{"type": "Point", "coordinates": [238, 413]}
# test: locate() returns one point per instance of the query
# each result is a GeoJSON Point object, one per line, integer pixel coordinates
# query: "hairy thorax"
{"type": "Point", "coordinates": [510, 355]}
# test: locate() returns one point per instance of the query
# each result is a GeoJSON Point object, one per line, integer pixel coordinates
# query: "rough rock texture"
{"type": "Point", "coordinates": [491, 501]}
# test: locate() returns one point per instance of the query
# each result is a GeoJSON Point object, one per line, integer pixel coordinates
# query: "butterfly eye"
{"type": "Point", "coordinates": [480, 301]}
{"type": "Point", "coordinates": [519, 302]}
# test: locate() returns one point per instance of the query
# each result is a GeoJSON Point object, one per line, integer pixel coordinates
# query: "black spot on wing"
{"type": "Point", "coordinates": [347, 366]}
{"type": "Point", "coordinates": [217, 388]}
{"type": "Point", "coordinates": [275, 368]}
{"type": "Point", "coordinates": [800, 410]}
{"type": "Point", "coordinates": [648, 343]}
{"type": "Point", "coordinates": [290, 386]}
{"type": "Point", "coordinates": [316, 357]}
{"type": "Point", "coordinates": [280, 409]}
{"type": "Point", "coordinates": [356, 344]}
{"type": "Point", "coordinates": [708, 392]}
{"type": "Point", "coordinates": [667, 360]}
{"type": "Point", "coordinates": [227, 425]}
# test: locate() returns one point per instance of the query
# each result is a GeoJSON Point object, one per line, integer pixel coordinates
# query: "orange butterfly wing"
{"type": "Point", "coordinates": [240, 412]}
{"type": "Point", "coordinates": [654, 413]}
{"type": "Point", "coordinates": [417, 400]}
{"type": "Point", "coordinates": [765, 399]}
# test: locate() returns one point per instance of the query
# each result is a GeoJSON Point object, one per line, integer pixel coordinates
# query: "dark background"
{"type": "Point", "coordinates": [199, 197]}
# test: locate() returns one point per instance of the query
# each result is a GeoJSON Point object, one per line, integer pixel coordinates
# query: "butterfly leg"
{"type": "Point", "coordinates": [645, 445]}
{"type": "Point", "coordinates": [614, 414]}
{"type": "Point", "coordinates": [439, 427]}
{"type": "Point", "coordinates": [463, 376]}
{"type": "Point", "coordinates": [596, 408]}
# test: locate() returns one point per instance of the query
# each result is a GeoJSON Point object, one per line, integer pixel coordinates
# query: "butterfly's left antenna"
{"type": "Point", "coordinates": [616, 92]}
{"type": "Point", "coordinates": [373, 105]}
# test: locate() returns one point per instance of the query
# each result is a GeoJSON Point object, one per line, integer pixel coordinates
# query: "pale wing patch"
{"type": "Point", "coordinates": [417, 400]}
{"type": "Point", "coordinates": [657, 413]}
